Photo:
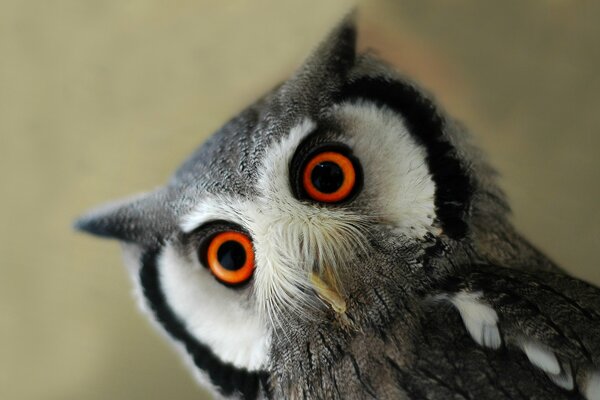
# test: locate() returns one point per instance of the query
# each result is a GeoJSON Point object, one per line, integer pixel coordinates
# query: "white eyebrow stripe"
{"type": "Point", "coordinates": [217, 208]}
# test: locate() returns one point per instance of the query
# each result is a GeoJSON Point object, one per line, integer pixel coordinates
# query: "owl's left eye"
{"type": "Point", "coordinates": [230, 257]}
{"type": "Point", "coordinates": [328, 174]}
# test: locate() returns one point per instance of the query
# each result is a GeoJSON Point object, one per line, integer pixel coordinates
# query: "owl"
{"type": "Point", "coordinates": [341, 238]}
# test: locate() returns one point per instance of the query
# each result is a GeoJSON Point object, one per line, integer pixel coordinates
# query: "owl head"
{"type": "Point", "coordinates": [314, 215]}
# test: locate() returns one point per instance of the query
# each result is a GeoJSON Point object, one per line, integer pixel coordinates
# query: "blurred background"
{"type": "Point", "coordinates": [100, 99]}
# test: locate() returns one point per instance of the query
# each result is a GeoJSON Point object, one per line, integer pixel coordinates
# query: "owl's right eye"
{"type": "Point", "coordinates": [230, 257]}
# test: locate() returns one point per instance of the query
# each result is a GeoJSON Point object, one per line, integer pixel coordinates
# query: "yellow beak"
{"type": "Point", "coordinates": [328, 291]}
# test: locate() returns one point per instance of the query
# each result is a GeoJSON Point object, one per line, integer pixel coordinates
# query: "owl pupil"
{"type": "Point", "coordinates": [231, 255]}
{"type": "Point", "coordinates": [327, 177]}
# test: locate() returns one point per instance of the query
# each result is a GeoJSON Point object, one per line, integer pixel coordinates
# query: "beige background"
{"type": "Point", "coordinates": [101, 99]}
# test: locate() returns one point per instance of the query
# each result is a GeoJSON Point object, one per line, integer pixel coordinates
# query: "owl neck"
{"type": "Point", "coordinates": [310, 358]}
{"type": "Point", "coordinates": [338, 360]}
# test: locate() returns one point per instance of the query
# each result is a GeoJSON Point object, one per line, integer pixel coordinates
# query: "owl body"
{"type": "Point", "coordinates": [341, 238]}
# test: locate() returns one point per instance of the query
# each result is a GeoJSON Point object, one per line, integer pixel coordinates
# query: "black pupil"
{"type": "Point", "coordinates": [327, 177]}
{"type": "Point", "coordinates": [231, 255]}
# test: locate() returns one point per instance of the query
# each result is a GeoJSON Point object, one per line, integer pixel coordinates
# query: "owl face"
{"type": "Point", "coordinates": [301, 215]}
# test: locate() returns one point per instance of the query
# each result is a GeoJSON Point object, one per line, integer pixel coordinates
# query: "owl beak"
{"type": "Point", "coordinates": [328, 291]}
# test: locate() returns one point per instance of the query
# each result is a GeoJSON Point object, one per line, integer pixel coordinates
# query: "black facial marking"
{"type": "Point", "coordinates": [453, 184]}
{"type": "Point", "coordinates": [231, 255]}
{"type": "Point", "coordinates": [229, 379]}
{"type": "Point", "coordinates": [327, 177]}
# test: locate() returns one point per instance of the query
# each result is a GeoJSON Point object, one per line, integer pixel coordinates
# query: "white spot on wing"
{"type": "Point", "coordinates": [541, 357]}
{"type": "Point", "coordinates": [592, 387]}
{"type": "Point", "coordinates": [480, 319]}
{"type": "Point", "coordinates": [564, 379]}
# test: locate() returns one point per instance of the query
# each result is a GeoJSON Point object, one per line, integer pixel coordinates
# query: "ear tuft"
{"type": "Point", "coordinates": [336, 54]}
{"type": "Point", "coordinates": [317, 82]}
{"type": "Point", "coordinates": [143, 219]}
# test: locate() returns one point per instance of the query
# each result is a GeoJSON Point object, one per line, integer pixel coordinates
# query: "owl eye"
{"type": "Point", "coordinates": [330, 176]}
{"type": "Point", "coordinates": [230, 257]}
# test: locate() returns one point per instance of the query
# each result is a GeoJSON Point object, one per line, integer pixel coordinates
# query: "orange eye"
{"type": "Point", "coordinates": [230, 257]}
{"type": "Point", "coordinates": [329, 177]}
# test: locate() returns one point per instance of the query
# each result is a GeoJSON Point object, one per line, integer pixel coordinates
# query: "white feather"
{"type": "Point", "coordinates": [482, 323]}
{"type": "Point", "coordinates": [592, 386]}
{"type": "Point", "coordinates": [564, 379]}
{"type": "Point", "coordinates": [131, 257]}
{"type": "Point", "coordinates": [541, 357]}
{"type": "Point", "coordinates": [213, 313]}
{"type": "Point", "coordinates": [479, 318]}
{"type": "Point", "coordinates": [398, 182]}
